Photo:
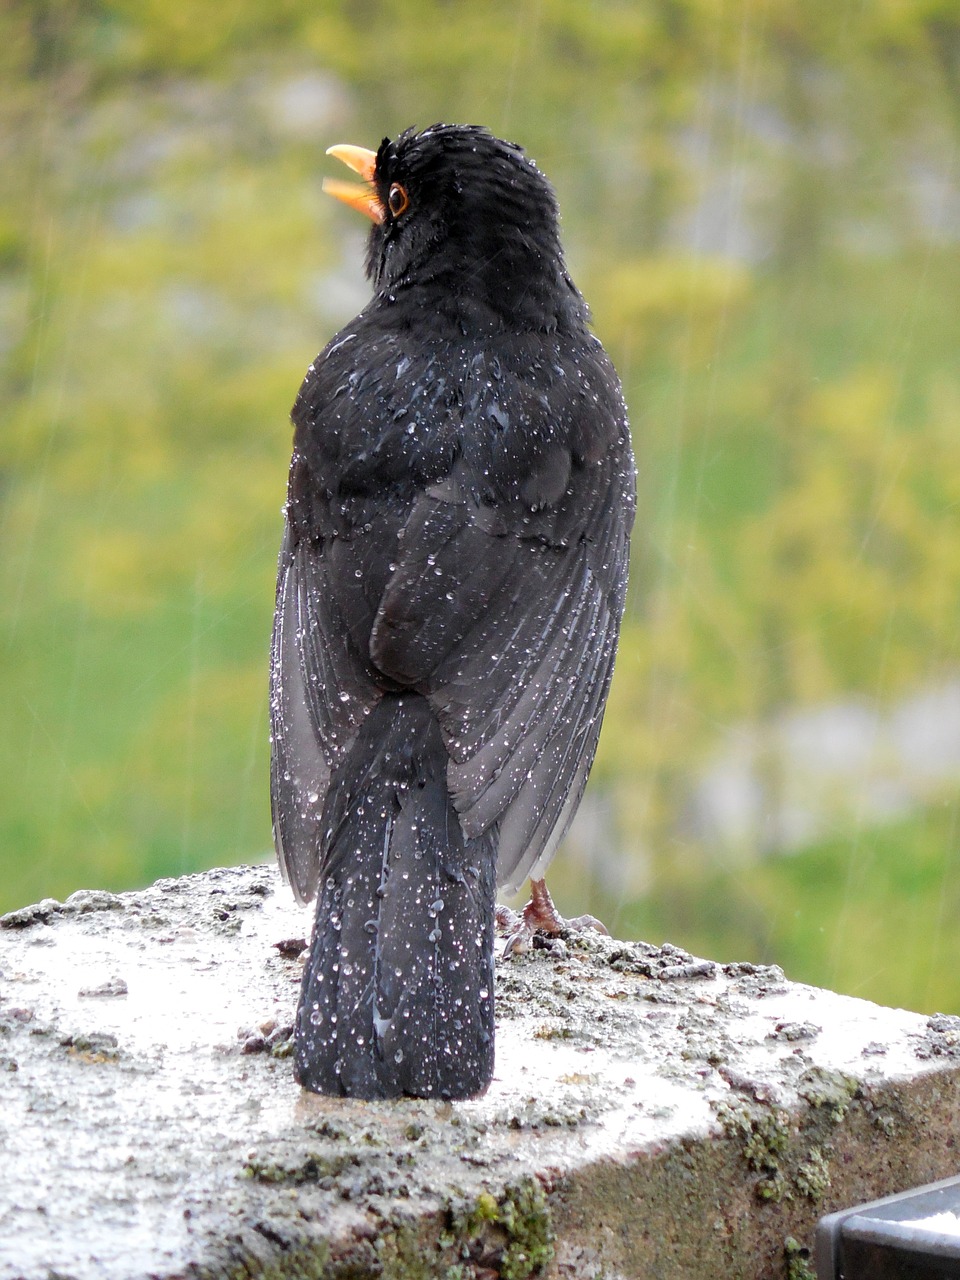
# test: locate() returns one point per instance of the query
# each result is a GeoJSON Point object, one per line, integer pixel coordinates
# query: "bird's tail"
{"type": "Point", "coordinates": [397, 995]}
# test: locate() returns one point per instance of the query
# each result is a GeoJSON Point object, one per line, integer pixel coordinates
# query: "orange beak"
{"type": "Point", "coordinates": [364, 198]}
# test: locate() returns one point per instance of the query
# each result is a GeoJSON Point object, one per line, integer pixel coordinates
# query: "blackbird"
{"type": "Point", "coordinates": [450, 589]}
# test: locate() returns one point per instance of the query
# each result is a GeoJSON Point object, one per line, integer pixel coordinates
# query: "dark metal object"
{"type": "Point", "coordinates": [897, 1238]}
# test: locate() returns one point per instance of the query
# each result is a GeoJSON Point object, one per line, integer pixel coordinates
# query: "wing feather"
{"type": "Point", "coordinates": [320, 693]}
{"type": "Point", "coordinates": [512, 637]}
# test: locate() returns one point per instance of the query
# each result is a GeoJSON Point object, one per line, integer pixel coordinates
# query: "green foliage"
{"type": "Point", "coordinates": [870, 912]}
{"type": "Point", "coordinates": [168, 268]}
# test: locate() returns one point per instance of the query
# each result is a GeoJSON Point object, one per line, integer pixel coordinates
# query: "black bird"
{"type": "Point", "coordinates": [450, 589]}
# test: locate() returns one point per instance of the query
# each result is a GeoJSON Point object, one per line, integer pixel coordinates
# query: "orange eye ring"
{"type": "Point", "coordinates": [397, 200]}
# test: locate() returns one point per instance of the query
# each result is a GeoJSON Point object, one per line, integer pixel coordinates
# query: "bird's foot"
{"type": "Point", "coordinates": [540, 924]}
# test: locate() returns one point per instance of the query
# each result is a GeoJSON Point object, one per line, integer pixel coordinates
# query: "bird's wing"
{"type": "Point", "coordinates": [507, 619]}
{"type": "Point", "coordinates": [320, 691]}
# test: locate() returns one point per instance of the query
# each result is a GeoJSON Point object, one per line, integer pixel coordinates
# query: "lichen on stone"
{"type": "Point", "coordinates": [828, 1090]}
{"type": "Point", "coordinates": [797, 1257]}
{"type": "Point", "coordinates": [764, 1132]}
{"type": "Point", "coordinates": [511, 1234]}
{"type": "Point", "coordinates": [813, 1176]}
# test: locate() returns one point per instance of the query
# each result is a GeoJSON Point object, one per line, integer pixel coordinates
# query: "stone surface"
{"type": "Point", "coordinates": [651, 1115]}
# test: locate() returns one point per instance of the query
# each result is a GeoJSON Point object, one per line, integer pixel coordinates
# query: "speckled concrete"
{"type": "Point", "coordinates": [651, 1114]}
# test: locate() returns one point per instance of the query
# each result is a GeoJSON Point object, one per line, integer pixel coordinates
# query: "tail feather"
{"type": "Point", "coordinates": [397, 994]}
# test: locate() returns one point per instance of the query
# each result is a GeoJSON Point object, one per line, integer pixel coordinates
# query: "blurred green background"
{"type": "Point", "coordinates": [761, 203]}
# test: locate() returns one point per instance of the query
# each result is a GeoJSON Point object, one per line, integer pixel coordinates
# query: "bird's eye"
{"type": "Point", "coordinates": [398, 200]}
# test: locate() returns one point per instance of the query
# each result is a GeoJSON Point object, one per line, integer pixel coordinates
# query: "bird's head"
{"type": "Point", "coordinates": [462, 212]}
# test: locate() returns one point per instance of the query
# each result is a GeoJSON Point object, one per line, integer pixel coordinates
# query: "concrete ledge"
{"type": "Point", "coordinates": [652, 1115]}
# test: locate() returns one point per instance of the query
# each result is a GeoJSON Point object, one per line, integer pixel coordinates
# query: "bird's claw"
{"type": "Point", "coordinates": [579, 924]}
{"type": "Point", "coordinates": [540, 924]}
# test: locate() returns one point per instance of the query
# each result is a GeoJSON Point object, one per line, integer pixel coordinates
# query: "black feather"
{"type": "Point", "coordinates": [398, 991]}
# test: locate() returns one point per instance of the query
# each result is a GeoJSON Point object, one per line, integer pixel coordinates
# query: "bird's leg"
{"type": "Point", "coordinates": [539, 917]}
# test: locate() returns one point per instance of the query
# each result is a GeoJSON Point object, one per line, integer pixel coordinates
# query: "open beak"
{"type": "Point", "coordinates": [363, 197]}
